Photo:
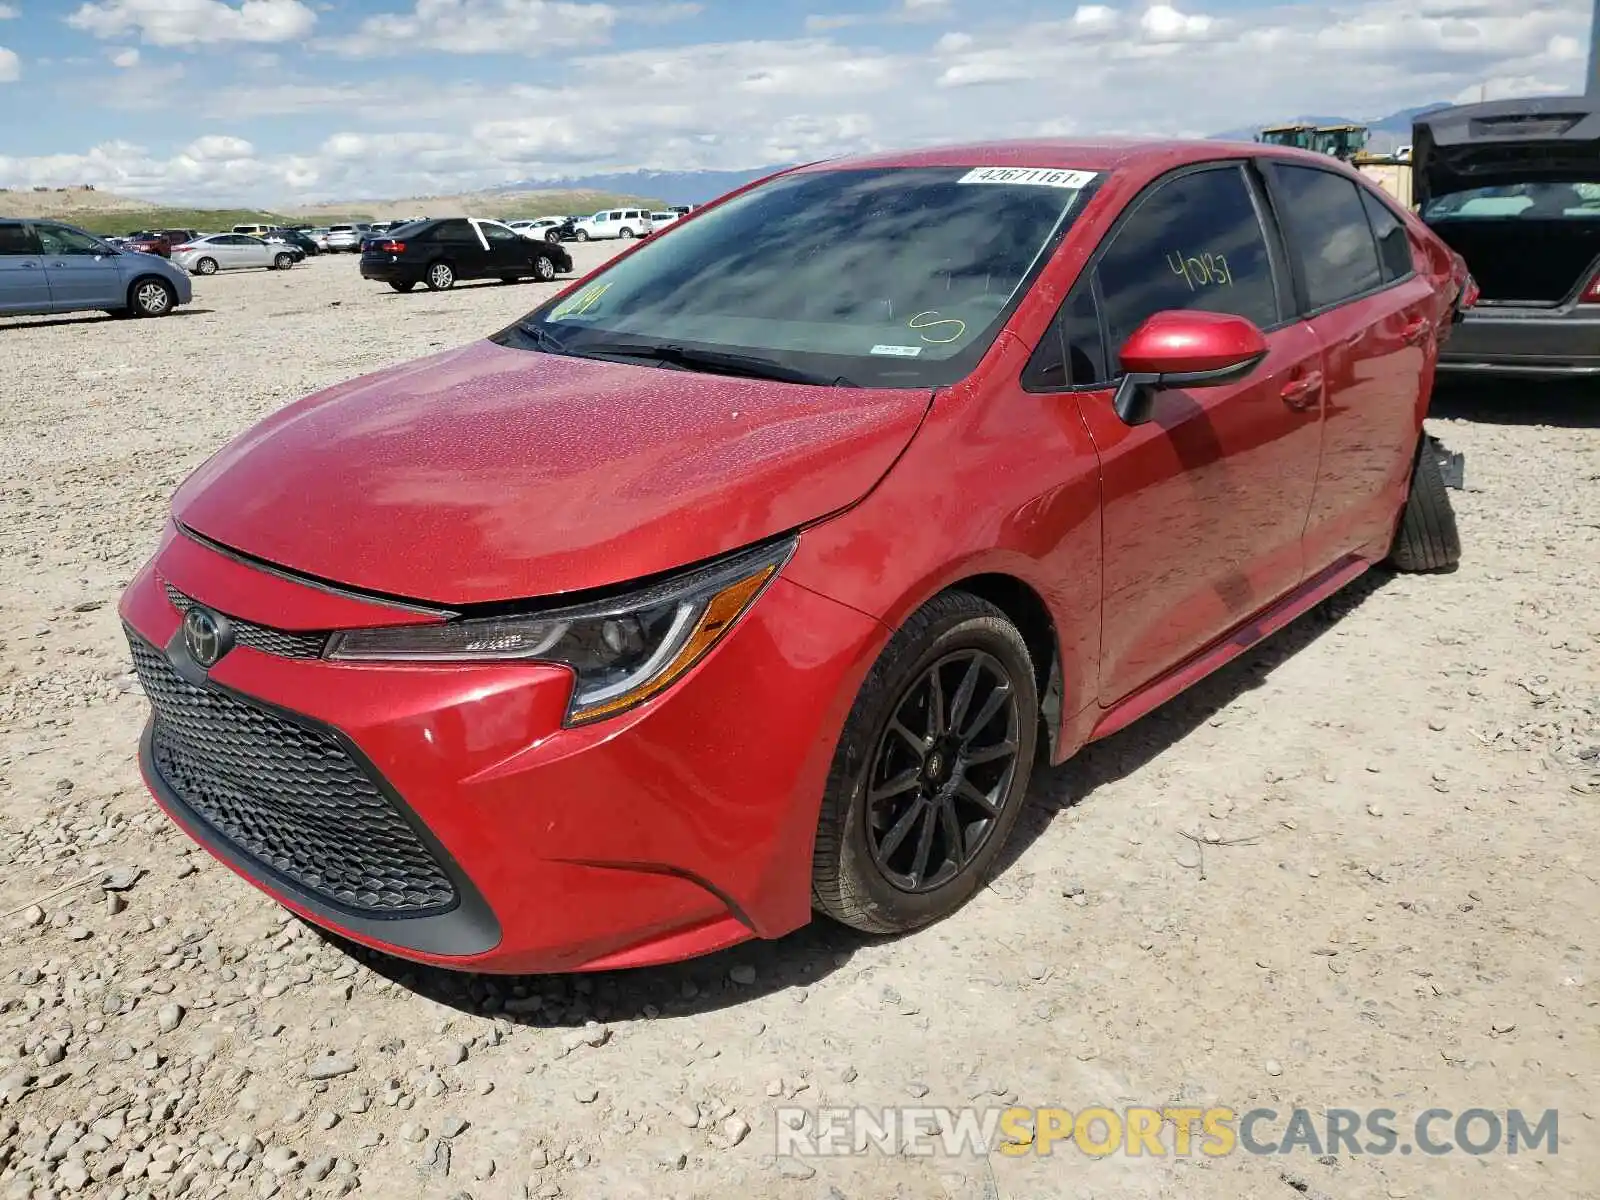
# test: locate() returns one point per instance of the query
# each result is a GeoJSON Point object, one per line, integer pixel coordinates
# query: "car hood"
{"type": "Point", "coordinates": [488, 474]}
{"type": "Point", "coordinates": [1551, 139]}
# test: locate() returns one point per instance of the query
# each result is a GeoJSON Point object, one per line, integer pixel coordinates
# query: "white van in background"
{"type": "Point", "coordinates": [613, 223]}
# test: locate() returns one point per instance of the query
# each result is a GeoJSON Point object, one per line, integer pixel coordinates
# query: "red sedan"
{"type": "Point", "coordinates": [749, 576]}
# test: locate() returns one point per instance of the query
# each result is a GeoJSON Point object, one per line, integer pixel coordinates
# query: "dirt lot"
{"type": "Point", "coordinates": [1398, 904]}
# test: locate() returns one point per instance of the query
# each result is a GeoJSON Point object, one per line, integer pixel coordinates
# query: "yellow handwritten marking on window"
{"type": "Point", "coordinates": [921, 326]}
{"type": "Point", "coordinates": [1202, 270]}
{"type": "Point", "coordinates": [581, 303]}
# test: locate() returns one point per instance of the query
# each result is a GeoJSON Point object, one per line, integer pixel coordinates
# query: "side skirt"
{"type": "Point", "coordinates": [1157, 692]}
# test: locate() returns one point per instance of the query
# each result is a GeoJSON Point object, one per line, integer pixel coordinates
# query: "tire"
{"type": "Point", "coordinates": [402, 285]}
{"type": "Point", "coordinates": [544, 268]}
{"type": "Point", "coordinates": [625, 232]}
{"type": "Point", "coordinates": [863, 847]}
{"type": "Point", "coordinates": [206, 266]}
{"type": "Point", "coordinates": [282, 262]}
{"type": "Point", "coordinates": [151, 298]}
{"type": "Point", "coordinates": [553, 238]}
{"type": "Point", "coordinates": [1427, 538]}
{"type": "Point", "coordinates": [581, 236]}
{"type": "Point", "coordinates": [441, 277]}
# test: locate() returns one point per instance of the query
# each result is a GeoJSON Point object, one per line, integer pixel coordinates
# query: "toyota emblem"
{"type": "Point", "coordinates": [205, 635]}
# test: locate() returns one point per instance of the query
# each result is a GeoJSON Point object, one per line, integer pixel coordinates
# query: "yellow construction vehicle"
{"type": "Point", "coordinates": [1297, 136]}
{"type": "Point", "coordinates": [1347, 143]}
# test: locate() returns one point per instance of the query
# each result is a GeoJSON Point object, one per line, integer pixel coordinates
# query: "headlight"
{"type": "Point", "coordinates": [623, 650]}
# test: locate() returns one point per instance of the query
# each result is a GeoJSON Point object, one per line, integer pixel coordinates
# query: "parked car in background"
{"type": "Point", "coordinates": [346, 238]}
{"type": "Point", "coordinates": [1514, 187]}
{"type": "Point", "coordinates": [440, 252]}
{"type": "Point", "coordinates": [155, 241]}
{"type": "Point", "coordinates": [549, 229]}
{"type": "Point", "coordinates": [662, 220]}
{"type": "Point", "coordinates": [253, 230]}
{"type": "Point", "coordinates": [319, 235]}
{"type": "Point", "coordinates": [296, 240]}
{"type": "Point", "coordinates": [49, 267]}
{"type": "Point", "coordinates": [612, 223]}
{"type": "Point", "coordinates": [601, 677]}
{"type": "Point", "coordinates": [232, 252]}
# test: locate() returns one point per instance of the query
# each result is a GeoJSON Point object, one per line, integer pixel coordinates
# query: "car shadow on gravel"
{"type": "Point", "coordinates": [791, 963]}
{"type": "Point", "coordinates": [92, 318]}
{"type": "Point", "coordinates": [1055, 789]}
{"type": "Point", "coordinates": [1568, 404]}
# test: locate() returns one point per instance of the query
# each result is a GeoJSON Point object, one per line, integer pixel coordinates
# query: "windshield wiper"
{"type": "Point", "coordinates": [545, 340]}
{"type": "Point", "coordinates": [718, 362]}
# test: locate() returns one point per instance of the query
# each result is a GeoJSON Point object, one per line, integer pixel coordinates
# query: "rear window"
{"type": "Point", "coordinates": [341, 228]}
{"type": "Point", "coordinates": [1519, 201]}
{"type": "Point", "coordinates": [1329, 233]}
{"type": "Point", "coordinates": [14, 239]}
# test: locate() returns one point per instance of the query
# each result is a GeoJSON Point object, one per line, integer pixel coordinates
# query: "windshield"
{"type": "Point", "coordinates": [898, 277]}
{"type": "Point", "coordinates": [1527, 201]}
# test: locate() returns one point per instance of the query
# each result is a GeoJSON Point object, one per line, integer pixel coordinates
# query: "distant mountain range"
{"type": "Point", "coordinates": [1385, 133]}
{"type": "Point", "coordinates": [670, 187]}
{"type": "Point", "coordinates": [697, 187]}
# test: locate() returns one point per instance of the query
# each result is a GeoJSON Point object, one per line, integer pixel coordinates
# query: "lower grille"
{"type": "Point", "coordinates": [288, 796]}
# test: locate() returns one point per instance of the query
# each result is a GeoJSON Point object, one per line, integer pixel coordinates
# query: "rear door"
{"type": "Point", "coordinates": [1204, 506]}
{"type": "Point", "coordinates": [1357, 284]}
{"type": "Point", "coordinates": [81, 270]}
{"type": "Point", "coordinates": [24, 287]}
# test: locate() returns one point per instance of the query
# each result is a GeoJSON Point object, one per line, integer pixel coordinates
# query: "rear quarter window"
{"type": "Point", "coordinates": [1328, 232]}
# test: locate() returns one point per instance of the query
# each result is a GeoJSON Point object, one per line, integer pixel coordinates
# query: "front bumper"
{"type": "Point", "coordinates": [1540, 342]}
{"type": "Point", "coordinates": [675, 829]}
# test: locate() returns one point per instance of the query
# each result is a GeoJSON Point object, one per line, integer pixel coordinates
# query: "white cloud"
{"type": "Point", "coordinates": [736, 105]}
{"type": "Point", "coordinates": [10, 66]}
{"type": "Point", "coordinates": [196, 22]}
{"type": "Point", "coordinates": [905, 12]}
{"type": "Point", "coordinates": [126, 58]}
{"type": "Point", "coordinates": [1163, 23]}
{"type": "Point", "coordinates": [495, 27]}
{"type": "Point", "coordinates": [8, 12]}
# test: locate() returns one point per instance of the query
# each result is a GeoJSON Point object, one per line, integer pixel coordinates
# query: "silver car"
{"type": "Point", "coordinates": [48, 267]}
{"type": "Point", "coordinates": [346, 237]}
{"type": "Point", "coordinates": [230, 252]}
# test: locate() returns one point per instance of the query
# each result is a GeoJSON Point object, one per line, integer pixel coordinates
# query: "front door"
{"type": "Point", "coordinates": [1372, 313]}
{"type": "Point", "coordinates": [1204, 506]}
{"type": "Point", "coordinates": [82, 271]}
{"type": "Point", "coordinates": [23, 284]}
{"type": "Point", "coordinates": [509, 251]}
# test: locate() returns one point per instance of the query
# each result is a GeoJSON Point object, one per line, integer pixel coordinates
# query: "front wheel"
{"type": "Point", "coordinates": [931, 770]}
{"type": "Point", "coordinates": [441, 277]}
{"type": "Point", "coordinates": [1427, 538]}
{"type": "Point", "coordinates": [544, 268]}
{"type": "Point", "coordinates": [206, 266]}
{"type": "Point", "coordinates": [282, 262]}
{"type": "Point", "coordinates": [151, 298]}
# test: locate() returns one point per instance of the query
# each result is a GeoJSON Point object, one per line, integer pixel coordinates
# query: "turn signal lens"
{"type": "Point", "coordinates": [623, 650]}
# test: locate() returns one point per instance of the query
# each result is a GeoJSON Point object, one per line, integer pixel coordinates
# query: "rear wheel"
{"type": "Point", "coordinates": [1427, 538]}
{"type": "Point", "coordinates": [582, 235]}
{"type": "Point", "coordinates": [206, 266]}
{"type": "Point", "coordinates": [402, 285]}
{"type": "Point", "coordinates": [930, 773]}
{"type": "Point", "coordinates": [151, 298]}
{"type": "Point", "coordinates": [625, 232]}
{"type": "Point", "coordinates": [441, 277]}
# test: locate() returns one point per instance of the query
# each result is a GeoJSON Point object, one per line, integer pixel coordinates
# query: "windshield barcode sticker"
{"type": "Point", "coordinates": [898, 351]}
{"type": "Point", "coordinates": [1039, 176]}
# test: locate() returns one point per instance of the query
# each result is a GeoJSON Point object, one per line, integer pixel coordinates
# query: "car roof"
{"type": "Point", "coordinates": [1096, 154]}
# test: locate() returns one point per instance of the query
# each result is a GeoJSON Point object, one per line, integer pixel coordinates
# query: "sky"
{"type": "Point", "coordinates": [270, 101]}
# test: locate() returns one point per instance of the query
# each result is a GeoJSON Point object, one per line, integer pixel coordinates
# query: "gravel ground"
{"type": "Point", "coordinates": [1397, 802]}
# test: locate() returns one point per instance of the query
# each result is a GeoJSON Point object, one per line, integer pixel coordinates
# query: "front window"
{"type": "Point", "coordinates": [896, 277]}
{"type": "Point", "coordinates": [58, 239]}
{"type": "Point", "coordinates": [1520, 201]}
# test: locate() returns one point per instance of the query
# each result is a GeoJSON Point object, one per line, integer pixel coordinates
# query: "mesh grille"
{"type": "Point", "coordinates": [261, 637]}
{"type": "Point", "coordinates": [288, 796]}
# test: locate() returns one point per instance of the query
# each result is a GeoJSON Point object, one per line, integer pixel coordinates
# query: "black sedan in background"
{"type": "Point", "coordinates": [438, 252]}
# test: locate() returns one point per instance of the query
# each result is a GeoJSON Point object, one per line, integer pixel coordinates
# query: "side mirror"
{"type": "Point", "coordinates": [1184, 349]}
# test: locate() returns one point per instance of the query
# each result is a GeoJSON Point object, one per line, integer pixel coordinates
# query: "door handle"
{"type": "Point", "coordinates": [1302, 393]}
{"type": "Point", "coordinates": [1414, 332]}
{"type": "Point", "coordinates": [29, 266]}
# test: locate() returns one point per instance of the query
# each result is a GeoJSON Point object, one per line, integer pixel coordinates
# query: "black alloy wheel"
{"type": "Point", "coordinates": [942, 770]}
